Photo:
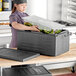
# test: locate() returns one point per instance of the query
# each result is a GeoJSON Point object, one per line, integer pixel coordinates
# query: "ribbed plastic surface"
{"type": "Point", "coordinates": [26, 71]}
{"type": "Point", "coordinates": [46, 44]}
{"type": "Point", "coordinates": [18, 55]}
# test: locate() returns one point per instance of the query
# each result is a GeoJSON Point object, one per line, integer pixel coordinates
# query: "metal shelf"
{"type": "Point", "coordinates": [4, 15]}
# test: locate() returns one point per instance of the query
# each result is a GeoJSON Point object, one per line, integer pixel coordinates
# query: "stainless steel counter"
{"type": "Point", "coordinates": [5, 40]}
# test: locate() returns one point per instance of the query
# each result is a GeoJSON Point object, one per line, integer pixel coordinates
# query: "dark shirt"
{"type": "Point", "coordinates": [17, 17]}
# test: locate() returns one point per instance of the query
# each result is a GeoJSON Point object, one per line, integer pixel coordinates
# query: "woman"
{"type": "Point", "coordinates": [17, 22]}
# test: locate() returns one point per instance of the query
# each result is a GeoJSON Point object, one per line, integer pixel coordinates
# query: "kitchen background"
{"type": "Point", "coordinates": [61, 11]}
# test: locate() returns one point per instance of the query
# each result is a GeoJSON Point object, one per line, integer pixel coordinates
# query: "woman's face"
{"type": "Point", "coordinates": [21, 7]}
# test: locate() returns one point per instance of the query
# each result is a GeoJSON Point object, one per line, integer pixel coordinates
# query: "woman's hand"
{"type": "Point", "coordinates": [19, 26]}
{"type": "Point", "coordinates": [35, 28]}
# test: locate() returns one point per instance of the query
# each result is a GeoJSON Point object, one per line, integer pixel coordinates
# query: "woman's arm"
{"type": "Point", "coordinates": [22, 27]}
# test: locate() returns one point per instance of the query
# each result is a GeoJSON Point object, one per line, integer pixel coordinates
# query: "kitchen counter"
{"type": "Point", "coordinates": [67, 59]}
{"type": "Point", "coordinates": [5, 39]}
{"type": "Point", "coordinates": [69, 56]}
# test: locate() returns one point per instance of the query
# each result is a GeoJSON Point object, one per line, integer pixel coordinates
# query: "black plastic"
{"type": "Point", "coordinates": [18, 55]}
{"type": "Point", "coordinates": [45, 44]}
{"type": "Point", "coordinates": [26, 71]}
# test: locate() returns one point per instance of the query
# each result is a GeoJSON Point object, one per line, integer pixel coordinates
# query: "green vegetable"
{"type": "Point", "coordinates": [47, 32]}
{"type": "Point", "coordinates": [28, 24]}
{"type": "Point", "coordinates": [44, 31]}
{"type": "Point", "coordinates": [41, 30]}
{"type": "Point", "coordinates": [52, 31]}
{"type": "Point", "coordinates": [57, 31]}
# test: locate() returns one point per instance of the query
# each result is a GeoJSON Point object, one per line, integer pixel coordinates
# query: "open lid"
{"type": "Point", "coordinates": [17, 55]}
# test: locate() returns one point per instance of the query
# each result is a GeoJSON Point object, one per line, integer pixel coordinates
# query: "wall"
{"type": "Point", "coordinates": [50, 9]}
{"type": "Point", "coordinates": [54, 9]}
{"type": "Point", "coordinates": [37, 7]}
